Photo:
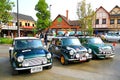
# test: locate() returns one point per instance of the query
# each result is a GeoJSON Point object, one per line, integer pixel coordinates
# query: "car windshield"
{"type": "Point", "coordinates": [95, 41]}
{"type": "Point", "coordinates": [70, 41]}
{"type": "Point", "coordinates": [27, 43]}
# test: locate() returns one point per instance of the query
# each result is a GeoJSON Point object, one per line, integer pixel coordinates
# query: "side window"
{"type": "Point", "coordinates": [58, 43]}
{"type": "Point", "coordinates": [53, 41]}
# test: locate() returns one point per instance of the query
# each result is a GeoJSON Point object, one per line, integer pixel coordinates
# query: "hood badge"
{"type": "Point", "coordinates": [26, 50]}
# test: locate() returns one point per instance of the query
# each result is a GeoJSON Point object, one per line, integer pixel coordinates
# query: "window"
{"type": "Point", "coordinates": [16, 24]}
{"type": "Point", "coordinates": [103, 21]}
{"type": "Point", "coordinates": [25, 24]}
{"type": "Point", "coordinates": [20, 23]}
{"type": "Point", "coordinates": [28, 24]}
{"type": "Point", "coordinates": [97, 21]}
{"type": "Point", "coordinates": [33, 25]}
{"type": "Point", "coordinates": [112, 21]}
{"type": "Point", "coordinates": [118, 21]}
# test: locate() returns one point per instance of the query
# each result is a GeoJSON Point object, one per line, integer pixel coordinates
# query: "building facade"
{"type": "Point", "coordinates": [102, 20]}
{"type": "Point", "coordinates": [115, 18]}
{"type": "Point", "coordinates": [62, 23]}
{"type": "Point", "coordinates": [26, 25]}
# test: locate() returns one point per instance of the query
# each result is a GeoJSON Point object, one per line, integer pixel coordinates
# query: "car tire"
{"type": "Point", "coordinates": [88, 60]}
{"type": "Point", "coordinates": [14, 72]}
{"type": "Point", "coordinates": [49, 67]}
{"type": "Point", "coordinates": [93, 55]}
{"type": "Point", "coordinates": [63, 61]}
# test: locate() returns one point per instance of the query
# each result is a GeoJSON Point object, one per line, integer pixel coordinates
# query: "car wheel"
{"type": "Point", "coordinates": [93, 55]}
{"type": "Point", "coordinates": [63, 61]}
{"type": "Point", "coordinates": [49, 67]}
{"type": "Point", "coordinates": [88, 60]}
{"type": "Point", "coordinates": [15, 72]}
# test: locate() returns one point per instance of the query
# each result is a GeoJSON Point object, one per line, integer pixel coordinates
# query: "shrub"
{"type": "Point", "coordinates": [6, 41]}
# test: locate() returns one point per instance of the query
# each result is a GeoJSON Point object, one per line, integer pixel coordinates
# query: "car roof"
{"type": "Point", "coordinates": [20, 38]}
{"type": "Point", "coordinates": [61, 37]}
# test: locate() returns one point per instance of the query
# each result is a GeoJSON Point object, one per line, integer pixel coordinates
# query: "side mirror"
{"type": "Point", "coordinates": [11, 49]}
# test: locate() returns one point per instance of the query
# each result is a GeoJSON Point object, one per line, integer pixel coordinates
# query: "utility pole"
{"type": "Point", "coordinates": [18, 27]}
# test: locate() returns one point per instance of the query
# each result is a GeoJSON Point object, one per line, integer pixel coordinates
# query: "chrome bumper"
{"type": "Point", "coordinates": [25, 68]}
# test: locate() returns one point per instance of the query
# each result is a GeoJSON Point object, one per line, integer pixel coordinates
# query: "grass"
{"type": "Point", "coordinates": [6, 40]}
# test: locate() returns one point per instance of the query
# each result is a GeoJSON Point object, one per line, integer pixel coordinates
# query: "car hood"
{"type": "Point", "coordinates": [76, 48]}
{"type": "Point", "coordinates": [102, 45]}
{"type": "Point", "coordinates": [30, 53]}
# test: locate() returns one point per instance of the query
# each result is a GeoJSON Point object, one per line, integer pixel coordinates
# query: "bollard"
{"type": "Point", "coordinates": [114, 43]}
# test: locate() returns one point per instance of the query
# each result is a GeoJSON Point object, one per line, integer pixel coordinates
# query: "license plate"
{"type": "Point", "coordinates": [36, 69]}
{"type": "Point", "coordinates": [82, 58]}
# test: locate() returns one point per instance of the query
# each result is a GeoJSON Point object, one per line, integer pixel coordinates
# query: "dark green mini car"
{"type": "Point", "coordinates": [99, 48]}
{"type": "Point", "coordinates": [69, 49]}
{"type": "Point", "coordinates": [28, 53]}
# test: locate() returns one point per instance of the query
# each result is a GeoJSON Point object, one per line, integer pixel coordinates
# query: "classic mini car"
{"type": "Point", "coordinates": [99, 48]}
{"type": "Point", "coordinates": [69, 49]}
{"type": "Point", "coordinates": [112, 37]}
{"type": "Point", "coordinates": [28, 53]}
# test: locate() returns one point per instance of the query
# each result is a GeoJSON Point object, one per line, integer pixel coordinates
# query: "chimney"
{"type": "Point", "coordinates": [67, 14]}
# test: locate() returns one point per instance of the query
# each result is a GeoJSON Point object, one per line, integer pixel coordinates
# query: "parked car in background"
{"type": "Point", "coordinates": [28, 53]}
{"type": "Point", "coordinates": [50, 36]}
{"type": "Point", "coordinates": [69, 49]}
{"type": "Point", "coordinates": [112, 37]}
{"type": "Point", "coordinates": [99, 48]}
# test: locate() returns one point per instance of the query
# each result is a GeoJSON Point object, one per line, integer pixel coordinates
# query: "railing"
{"type": "Point", "coordinates": [9, 27]}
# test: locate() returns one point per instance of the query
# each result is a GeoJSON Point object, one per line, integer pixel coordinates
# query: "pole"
{"type": "Point", "coordinates": [18, 28]}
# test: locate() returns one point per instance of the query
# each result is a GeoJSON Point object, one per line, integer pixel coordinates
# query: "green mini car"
{"type": "Point", "coordinates": [99, 48]}
{"type": "Point", "coordinates": [28, 53]}
{"type": "Point", "coordinates": [69, 49]}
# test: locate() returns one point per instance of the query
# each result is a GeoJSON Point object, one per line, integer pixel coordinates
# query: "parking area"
{"type": "Point", "coordinates": [106, 69]}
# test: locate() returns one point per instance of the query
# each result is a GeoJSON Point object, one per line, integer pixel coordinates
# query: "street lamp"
{"type": "Point", "coordinates": [18, 28]}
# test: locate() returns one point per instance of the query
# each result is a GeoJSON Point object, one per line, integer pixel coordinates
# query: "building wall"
{"type": "Point", "coordinates": [10, 30]}
{"type": "Point", "coordinates": [115, 15]}
{"type": "Point", "coordinates": [100, 15]}
{"type": "Point", "coordinates": [61, 24]}
{"type": "Point", "coordinates": [24, 22]}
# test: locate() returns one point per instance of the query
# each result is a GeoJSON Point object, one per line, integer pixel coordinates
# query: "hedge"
{"type": "Point", "coordinates": [6, 40]}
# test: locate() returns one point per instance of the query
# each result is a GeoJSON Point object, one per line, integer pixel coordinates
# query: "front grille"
{"type": "Point", "coordinates": [107, 51]}
{"type": "Point", "coordinates": [82, 52]}
{"type": "Point", "coordinates": [34, 61]}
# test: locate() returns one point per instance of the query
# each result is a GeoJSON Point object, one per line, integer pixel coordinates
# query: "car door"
{"type": "Point", "coordinates": [57, 48]}
{"type": "Point", "coordinates": [52, 46]}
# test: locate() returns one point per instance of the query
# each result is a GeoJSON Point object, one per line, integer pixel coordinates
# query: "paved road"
{"type": "Point", "coordinates": [108, 69]}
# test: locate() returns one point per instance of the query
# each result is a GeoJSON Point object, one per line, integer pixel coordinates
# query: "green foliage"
{"type": "Point", "coordinates": [5, 8]}
{"type": "Point", "coordinates": [85, 14]}
{"type": "Point", "coordinates": [43, 15]}
{"type": "Point", "coordinates": [6, 41]}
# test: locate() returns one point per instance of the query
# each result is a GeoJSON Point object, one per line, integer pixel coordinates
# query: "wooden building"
{"type": "Point", "coordinates": [26, 24]}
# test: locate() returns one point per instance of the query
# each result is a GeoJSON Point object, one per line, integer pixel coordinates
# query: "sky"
{"type": "Point", "coordinates": [27, 7]}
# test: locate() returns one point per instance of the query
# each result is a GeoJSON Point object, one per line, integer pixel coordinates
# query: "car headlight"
{"type": "Point", "coordinates": [71, 52]}
{"type": "Point", "coordinates": [49, 55]}
{"type": "Point", "coordinates": [20, 58]}
{"type": "Point", "coordinates": [87, 54]}
{"type": "Point", "coordinates": [44, 61]}
{"type": "Point", "coordinates": [77, 55]}
{"type": "Point", "coordinates": [100, 50]}
{"type": "Point", "coordinates": [89, 50]}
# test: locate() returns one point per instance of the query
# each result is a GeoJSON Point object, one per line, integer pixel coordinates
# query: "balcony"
{"type": "Point", "coordinates": [5, 27]}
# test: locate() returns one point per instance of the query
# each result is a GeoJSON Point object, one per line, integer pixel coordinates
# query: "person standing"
{"type": "Point", "coordinates": [45, 37]}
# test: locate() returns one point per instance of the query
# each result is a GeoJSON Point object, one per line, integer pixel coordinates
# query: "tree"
{"type": "Point", "coordinates": [85, 15]}
{"type": "Point", "coordinates": [5, 15]}
{"type": "Point", "coordinates": [43, 15]}
{"type": "Point", "coordinates": [5, 8]}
